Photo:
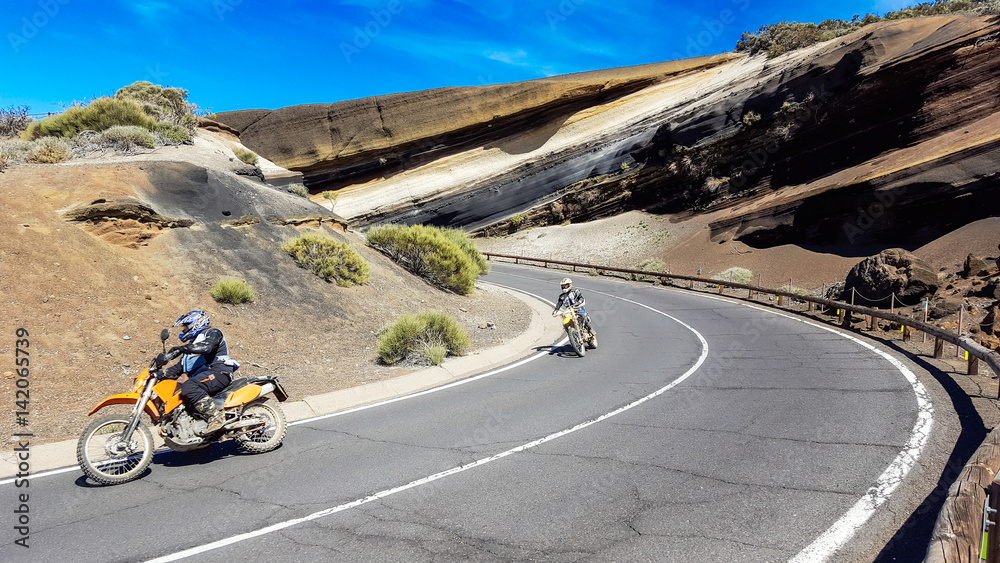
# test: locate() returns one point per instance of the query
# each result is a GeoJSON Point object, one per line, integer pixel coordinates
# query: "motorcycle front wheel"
{"type": "Point", "coordinates": [575, 340]}
{"type": "Point", "coordinates": [268, 437]}
{"type": "Point", "coordinates": [106, 458]}
{"type": "Point", "coordinates": [592, 344]}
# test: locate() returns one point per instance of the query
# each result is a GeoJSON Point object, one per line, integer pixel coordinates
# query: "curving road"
{"type": "Point", "coordinates": [700, 430]}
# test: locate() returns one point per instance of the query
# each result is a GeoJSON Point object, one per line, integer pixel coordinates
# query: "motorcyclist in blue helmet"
{"type": "Point", "coordinates": [204, 359]}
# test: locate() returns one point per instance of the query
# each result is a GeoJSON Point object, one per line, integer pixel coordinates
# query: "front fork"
{"type": "Point", "coordinates": [137, 410]}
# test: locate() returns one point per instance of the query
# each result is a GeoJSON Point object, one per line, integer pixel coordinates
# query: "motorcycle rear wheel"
{"type": "Point", "coordinates": [105, 458]}
{"type": "Point", "coordinates": [265, 439]}
{"type": "Point", "coordinates": [576, 340]}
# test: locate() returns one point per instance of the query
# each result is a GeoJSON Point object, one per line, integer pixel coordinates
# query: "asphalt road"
{"type": "Point", "coordinates": [700, 430]}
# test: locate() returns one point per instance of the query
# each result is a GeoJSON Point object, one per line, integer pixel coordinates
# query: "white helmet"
{"type": "Point", "coordinates": [566, 284]}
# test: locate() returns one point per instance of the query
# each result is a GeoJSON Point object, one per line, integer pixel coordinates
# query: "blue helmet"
{"type": "Point", "coordinates": [192, 324]}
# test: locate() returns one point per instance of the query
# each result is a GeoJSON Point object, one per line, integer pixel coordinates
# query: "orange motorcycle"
{"type": "Point", "coordinates": [118, 448]}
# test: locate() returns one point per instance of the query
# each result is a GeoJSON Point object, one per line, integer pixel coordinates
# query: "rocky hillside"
{"type": "Point", "coordinates": [101, 252]}
{"type": "Point", "coordinates": [887, 136]}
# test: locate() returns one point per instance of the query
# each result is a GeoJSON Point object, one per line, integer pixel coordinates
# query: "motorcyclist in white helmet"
{"type": "Point", "coordinates": [571, 297]}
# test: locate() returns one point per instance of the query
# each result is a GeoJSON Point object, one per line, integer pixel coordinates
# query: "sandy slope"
{"type": "Point", "coordinates": [685, 245]}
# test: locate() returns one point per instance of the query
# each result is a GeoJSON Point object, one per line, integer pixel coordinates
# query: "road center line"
{"type": "Point", "coordinates": [382, 494]}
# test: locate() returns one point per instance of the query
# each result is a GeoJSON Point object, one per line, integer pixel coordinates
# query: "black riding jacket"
{"type": "Point", "coordinates": [208, 348]}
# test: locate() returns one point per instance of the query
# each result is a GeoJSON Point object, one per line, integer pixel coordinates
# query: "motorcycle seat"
{"type": "Point", "coordinates": [220, 398]}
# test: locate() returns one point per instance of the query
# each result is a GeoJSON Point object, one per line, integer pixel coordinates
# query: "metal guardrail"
{"type": "Point", "coordinates": [976, 352]}
{"type": "Point", "coordinates": [958, 533]}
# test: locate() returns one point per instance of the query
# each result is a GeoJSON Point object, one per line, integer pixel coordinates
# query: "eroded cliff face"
{"type": "Point", "coordinates": [889, 136]}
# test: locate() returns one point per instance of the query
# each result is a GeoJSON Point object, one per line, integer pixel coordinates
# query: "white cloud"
{"type": "Point", "coordinates": [516, 58]}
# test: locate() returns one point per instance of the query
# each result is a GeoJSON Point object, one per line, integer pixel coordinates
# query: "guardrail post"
{"type": "Point", "coordinates": [961, 329]}
{"type": "Point", "coordinates": [906, 333]}
{"type": "Point", "coordinates": [938, 347]}
{"type": "Point", "coordinates": [991, 537]}
{"type": "Point", "coordinates": [721, 288]}
{"type": "Point", "coordinates": [973, 365]}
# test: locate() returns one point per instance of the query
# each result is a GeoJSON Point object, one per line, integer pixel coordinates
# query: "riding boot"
{"type": "Point", "coordinates": [206, 408]}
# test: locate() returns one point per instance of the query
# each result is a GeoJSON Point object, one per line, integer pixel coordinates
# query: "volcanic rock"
{"type": "Point", "coordinates": [860, 139]}
{"type": "Point", "coordinates": [974, 266]}
{"type": "Point", "coordinates": [991, 324]}
{"type": "Point", "coordinates": [894, 271]}
{"type": "Point", "coordinates": [945, 306]}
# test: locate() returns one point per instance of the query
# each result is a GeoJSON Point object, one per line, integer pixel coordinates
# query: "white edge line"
{"type": "Point", "coordinates": [382, 494]}
{"type": "Point", "coordinates": [841, 531]}
{"type": "Point", "coordinates": [356, 409]}
{"type": "Point", "coordinates": [442, 387]}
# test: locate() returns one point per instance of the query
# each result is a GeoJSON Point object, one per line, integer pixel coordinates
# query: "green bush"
{"type": "Point", "coordinates": [101, 114]}
{"type": "Point", "coordinates": [648, 265]}
{"type": "Point", "coordinates": [735, 275]}
{"type": "Point", "coordinates": [232, 290]}
{"type": "Point", "coordinates": [778, 38]}
{"type": "Point", "coordinates": [126, 138]}
{"type": "Point", "coordinates": [247, 156]}
{"type": "Point", "coordinates": [175, 134]}
{"type": "Point", "coordinates": [298, 189]}
{"type": "Point", "coordinates": [425, 333]}
{"type": "Point", "coordinates": [168, 105]}
{"type": "Point", "coordinates": [461, 239]}
{"type": "Point", "coordinates": [49, 150]}
{"type": "Point", "coordinates": [330, 196]}
{"type": "Point", "coordinates": [432, 254]}
{"type": "Point", "coordinates": [332, 260]}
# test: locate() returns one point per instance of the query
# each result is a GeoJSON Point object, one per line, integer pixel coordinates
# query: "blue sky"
{"type": "Point", "coordinates": [241, 54]}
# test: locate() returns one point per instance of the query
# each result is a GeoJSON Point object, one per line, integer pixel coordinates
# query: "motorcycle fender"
{"type": "Point", "coordinates": [567, 321]}
{"type": "Point", "coordinates": [126, 399]}
{"type": "Point", "coordinates": [274, 387]}
{"type": "Point", "coordinates": [243, 395]}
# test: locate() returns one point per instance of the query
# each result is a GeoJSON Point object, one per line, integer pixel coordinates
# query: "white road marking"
{"type": "Point", "coordinates": [326, 512]}
{"type": "Point", "coordinates": [838, 534]}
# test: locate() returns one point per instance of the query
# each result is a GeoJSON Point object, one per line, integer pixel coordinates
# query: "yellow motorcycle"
{"type": "Point", "coordinates": [580, 338]}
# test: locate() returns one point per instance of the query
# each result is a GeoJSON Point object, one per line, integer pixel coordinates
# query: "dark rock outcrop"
{"type": "Point", "coordinates": [974, 266]}
{"type": "Point", "coordinates": [891, 272]}
{"type": "Point", "coordinates": [859, 139]}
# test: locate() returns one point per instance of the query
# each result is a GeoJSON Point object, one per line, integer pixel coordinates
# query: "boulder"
{"type": "Point", "coordinates": [991, 324]}
{"type": "Point", "coordinates": [990, 290]}
{"type": "Point", "coordinates": [974, 266]}
{"type": "Point", "coordinates": [892, 271]}
{"type": "Point", "coordinates": [944, 307]}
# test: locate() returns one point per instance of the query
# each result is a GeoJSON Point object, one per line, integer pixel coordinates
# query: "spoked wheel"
{"type": "Point", "coordinates": [108, 459]}
{"type": "Point", "coordinates": [575, 340]}
{"type": "Point", "coordinates": [268, 436]}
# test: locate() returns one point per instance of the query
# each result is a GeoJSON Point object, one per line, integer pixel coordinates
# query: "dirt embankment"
{"type": "Point", "coordinates": [100, 254]}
